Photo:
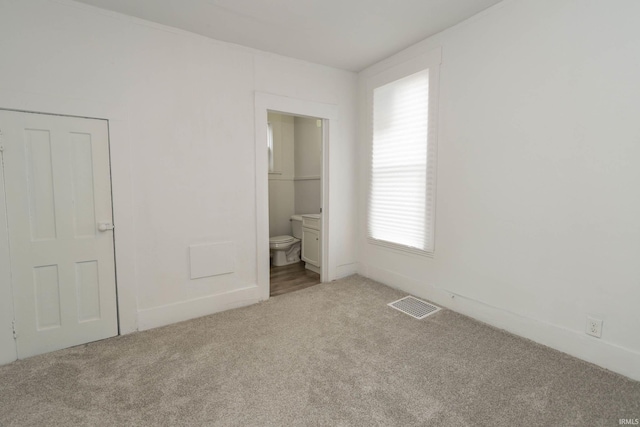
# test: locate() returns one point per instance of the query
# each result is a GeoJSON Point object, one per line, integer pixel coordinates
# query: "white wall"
{"type": "Point", "coordinates": [308, 196]}
{"type": "Point", "coordinates": [308, 165]}
{"type": "Point", "coordinates": [281, 180]}
{"type": "Point", "coordinates": [181, 117]}
{"type": "Point", "coordinates": [538, 208]}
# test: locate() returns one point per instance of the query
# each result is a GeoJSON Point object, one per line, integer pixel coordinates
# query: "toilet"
{"type": "Point", "coordinates": [285, 249]}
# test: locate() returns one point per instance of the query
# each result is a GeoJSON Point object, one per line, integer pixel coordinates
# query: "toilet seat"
{"type": "Point", "coordinates": [282, 242]}
{"type": "Point", "coordinates": [281, 239]}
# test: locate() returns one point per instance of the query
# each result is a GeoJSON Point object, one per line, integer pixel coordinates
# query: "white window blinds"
{"type": "Point", "coordinates": [400, 199]}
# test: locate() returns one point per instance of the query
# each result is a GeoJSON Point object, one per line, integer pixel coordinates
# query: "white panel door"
{"type": "Point", "coordinates": [57, 196]}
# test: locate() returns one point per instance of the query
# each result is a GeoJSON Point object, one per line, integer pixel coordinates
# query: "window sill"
{"type": "Point", "coordinates": [401, 248]}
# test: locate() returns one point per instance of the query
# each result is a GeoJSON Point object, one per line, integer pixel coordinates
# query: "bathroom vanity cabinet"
{"type": "Point", "coordinates": [311, 243]}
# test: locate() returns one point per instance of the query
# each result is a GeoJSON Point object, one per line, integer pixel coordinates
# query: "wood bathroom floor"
{"type": "Point", "coordinates": [291, 278]}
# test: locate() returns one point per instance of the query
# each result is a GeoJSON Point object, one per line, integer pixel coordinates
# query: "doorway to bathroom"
{"type": "Point", "coordinates": [293, 203]}
{"type": "Point", "coordinates": [294, 149]}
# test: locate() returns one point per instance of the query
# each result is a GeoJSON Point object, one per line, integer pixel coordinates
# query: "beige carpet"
{"type": "Point", "coordinates": [332, 355]}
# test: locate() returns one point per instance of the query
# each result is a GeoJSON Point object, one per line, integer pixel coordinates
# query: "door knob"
{"type": "Point", "coordinates": [104, 226]}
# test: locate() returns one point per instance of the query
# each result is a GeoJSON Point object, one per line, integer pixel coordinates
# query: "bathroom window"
{"type": "Point", "coordinates": [402, 175]}
{"type": "Point", "coordinates": [270, 146]}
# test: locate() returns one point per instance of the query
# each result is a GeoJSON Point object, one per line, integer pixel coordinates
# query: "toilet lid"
{"type": "Point", "coordinates": [280, 239]}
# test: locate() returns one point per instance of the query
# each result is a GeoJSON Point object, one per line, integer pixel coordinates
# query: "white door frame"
{"type": "Point", "coordinates": [265, 102]}
{"type": "Point", "coordinates": [8, 353]}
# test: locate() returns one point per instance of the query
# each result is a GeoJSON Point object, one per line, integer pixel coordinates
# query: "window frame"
{"type": "Point", "coordinates": [428, 61]}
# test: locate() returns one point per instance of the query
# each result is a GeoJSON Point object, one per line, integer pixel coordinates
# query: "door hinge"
{"type": "Point", "coordinates": [13, 326]}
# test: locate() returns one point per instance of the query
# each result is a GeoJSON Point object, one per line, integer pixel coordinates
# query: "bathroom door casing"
{"type": "Point", "coordinates": [57, 196]}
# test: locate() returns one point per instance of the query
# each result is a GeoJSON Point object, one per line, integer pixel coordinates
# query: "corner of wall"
{"type": "Point", "coordinates": [346, 270]}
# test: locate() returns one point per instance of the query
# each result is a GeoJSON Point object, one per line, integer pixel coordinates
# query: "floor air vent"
{"type": "Point", "coordinates": [414, 307]}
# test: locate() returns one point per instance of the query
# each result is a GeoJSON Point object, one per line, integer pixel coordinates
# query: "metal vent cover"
{"type": "Point", "coordinates": [414, 307]}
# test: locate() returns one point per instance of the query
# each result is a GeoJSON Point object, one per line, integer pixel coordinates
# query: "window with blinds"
{"type": "Point", "coordinates": [401, 182]}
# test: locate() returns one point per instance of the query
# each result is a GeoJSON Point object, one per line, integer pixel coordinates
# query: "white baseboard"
{"type": "Point", "coordinates": [186, 310]}
{"type": "Point", "coordinates": [346, 270]}
{"type": "Point", "coordinates": [602, 353]}
{"type": "Point", "coordinates": [312, 267]}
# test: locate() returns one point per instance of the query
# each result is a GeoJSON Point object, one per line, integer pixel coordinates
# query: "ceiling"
{"type": "Point", "coordinates": [347, 34]}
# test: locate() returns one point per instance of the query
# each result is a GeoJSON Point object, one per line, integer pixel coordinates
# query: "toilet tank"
{"type": "Point", "coordinates": [296, 226]}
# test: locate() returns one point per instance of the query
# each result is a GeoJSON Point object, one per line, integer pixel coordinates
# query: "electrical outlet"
{"type": "Point", "coordinates": [594, 327]}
